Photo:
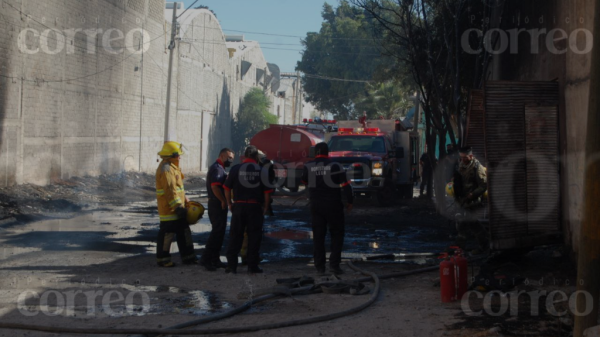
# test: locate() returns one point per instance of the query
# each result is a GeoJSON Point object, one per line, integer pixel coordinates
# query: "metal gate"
{"type": "Point", "coordinates": [522, 149]}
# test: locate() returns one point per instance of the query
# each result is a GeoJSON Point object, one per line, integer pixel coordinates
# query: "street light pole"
{"type": "Point", "coordinates": [170, 76]}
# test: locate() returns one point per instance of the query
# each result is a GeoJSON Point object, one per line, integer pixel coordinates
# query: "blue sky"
{"type": "Point", "coordinates": [282, 17]}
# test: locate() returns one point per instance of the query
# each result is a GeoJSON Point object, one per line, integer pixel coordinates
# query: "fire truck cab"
{"type": "Point", "coordinates": [379, 157]}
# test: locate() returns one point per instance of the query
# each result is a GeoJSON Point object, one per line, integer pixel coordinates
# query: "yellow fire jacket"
{"type": "Point", "coordinates": [170, 193]}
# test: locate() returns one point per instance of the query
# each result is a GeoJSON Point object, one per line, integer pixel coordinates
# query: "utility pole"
{"type": "Point", "coordinates": [298, 99]}
{"type": "Point", "coordinates": [588, 269]}
{"type": "Point", "coordinates": [169, 78]}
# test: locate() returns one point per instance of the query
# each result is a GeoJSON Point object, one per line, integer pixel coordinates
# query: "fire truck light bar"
{"type": "Point", "coordinates": [345, 129]}
{"type": "Point", "coordinates": [372, 130]}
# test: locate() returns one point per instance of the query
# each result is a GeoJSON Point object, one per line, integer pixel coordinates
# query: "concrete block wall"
{"type": "Point", "coordinates": [80, 109]}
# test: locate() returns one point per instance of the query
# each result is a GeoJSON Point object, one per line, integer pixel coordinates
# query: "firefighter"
{"type": "Point", "coordinates": [268, 170]}
{"type": "Point", "coordinates": [247, 212]}
{"type": "Point", "coordinates": [217, 210]}
{"type": "Point", "coordinates": [171, 199]}
{"type": "Point", "coordinates": [470, 184]}
{"type": "Point", "coordinates": [325, 181]}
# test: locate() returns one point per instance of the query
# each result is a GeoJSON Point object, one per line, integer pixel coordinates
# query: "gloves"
{"type": "Point", "coordinates": [181, 212]}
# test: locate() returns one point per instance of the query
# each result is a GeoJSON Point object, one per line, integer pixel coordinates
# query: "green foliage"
{"type": "Point", "coordinates": [346, 47]}
{"type": "Point", "coordinates": [387, 100]}
{"type": "Point", "coordinates": [253, 117]}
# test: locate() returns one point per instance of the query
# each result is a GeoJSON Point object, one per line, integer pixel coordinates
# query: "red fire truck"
{"type": "Point", "coordinates": [379, 156]}
{"type": "Point", "coordinates": [288, 147]}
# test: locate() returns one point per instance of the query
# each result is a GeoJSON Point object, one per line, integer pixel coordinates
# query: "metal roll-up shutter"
{"type": "Point", "coordinates": [521, 143]}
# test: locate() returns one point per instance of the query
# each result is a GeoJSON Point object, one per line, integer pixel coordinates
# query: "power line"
{"type": "Point", "coordinates": [295, 36]}
{"type": "Point", "coordinates": [319, 77]}
{"type": "Point", "coordinates": [176, 84]}
{"type": "Point", "coordinates": [217, 42]}
{"type": "Point", "coordinates": [322, 51]}
{"type": "Point", "coordinates": [184, 10]}
{"type": "Point", "coordinates": [279, 35]}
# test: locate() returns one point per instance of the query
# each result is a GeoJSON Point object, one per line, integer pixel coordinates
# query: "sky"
{"type": "Point", "coordinates": [281, 17]}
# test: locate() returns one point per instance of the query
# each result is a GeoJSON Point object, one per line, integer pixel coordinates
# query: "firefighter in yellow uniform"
{"type": "Point", "coordinates": [171, 199]}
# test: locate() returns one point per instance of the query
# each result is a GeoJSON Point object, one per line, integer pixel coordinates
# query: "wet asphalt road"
{"type": "Point", "coordinates": [407, 229]}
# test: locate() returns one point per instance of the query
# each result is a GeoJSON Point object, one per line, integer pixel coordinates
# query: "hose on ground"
{"type": "Point", "coordinates": [174, 331]}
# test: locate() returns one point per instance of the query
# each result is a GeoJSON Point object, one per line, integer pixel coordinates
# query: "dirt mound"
{"type": "Point", "coordinates": [76, 193]}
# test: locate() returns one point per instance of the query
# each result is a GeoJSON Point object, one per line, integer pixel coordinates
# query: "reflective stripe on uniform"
{"type": "Point", "coordinates": [160, 192]}
{"type": "Point", "coordinates": [179, 189]}
{"type": "Point", "coordinates": [170, 217]}
{"type": "Point", "coordinates": [174, 202]}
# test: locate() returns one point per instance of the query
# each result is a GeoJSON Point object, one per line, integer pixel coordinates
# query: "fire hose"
{"type": "Point", "coordinates": [176, 330]}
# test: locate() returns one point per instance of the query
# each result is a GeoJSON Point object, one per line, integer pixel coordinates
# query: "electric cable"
{"type": "Point", "coordinates": [192, 5]}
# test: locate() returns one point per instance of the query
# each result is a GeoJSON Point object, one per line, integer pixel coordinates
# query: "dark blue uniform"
{"type": "Point", "coordinates": [218, 216]}
{"type": "Point", "coordinates": [249, 186]}
{"type": "Point", "coordinates": [325, 181]}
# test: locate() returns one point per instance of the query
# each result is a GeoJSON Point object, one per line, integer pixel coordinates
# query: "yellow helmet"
{"type": "Point", "coordinates": [170, 149]}
{"type": "Point", "coordinates": [195, 211]}
{"type": "Point", "coordinates": [450, 189]}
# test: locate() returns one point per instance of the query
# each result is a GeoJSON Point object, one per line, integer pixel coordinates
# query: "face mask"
{"type": "Point", "coordinates": [227, 163]}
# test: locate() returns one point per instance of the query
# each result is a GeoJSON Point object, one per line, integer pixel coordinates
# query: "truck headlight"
{"type": "Point", "coordinates": [377, 168]}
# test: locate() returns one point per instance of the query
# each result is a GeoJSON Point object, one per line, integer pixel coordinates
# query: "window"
{"type": "Point", "coordinates": [357, 144]}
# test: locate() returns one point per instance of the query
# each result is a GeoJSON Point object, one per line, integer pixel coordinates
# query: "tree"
{"type": "Point", "coordinates": [425, 38]}
{"type": "Point", "coordinates": [385, 100]}
{"type": "Point", "coordinates": [340, 60]}
{"type": "Point", "coordinates": [252, 117]}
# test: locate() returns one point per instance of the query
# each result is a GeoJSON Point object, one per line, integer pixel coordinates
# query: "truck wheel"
{"type": "Point", "coordinates": [387, 196]}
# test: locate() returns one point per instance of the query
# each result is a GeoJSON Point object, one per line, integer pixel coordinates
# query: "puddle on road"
{"type": "Point", "coordinates": [120, 230]}
{"type": "Point", "coordinates": [134, 301]}
{"type": "Point", "coordinates": [132, 230]}
{"type": "Point", "coordinates": [290, 234]}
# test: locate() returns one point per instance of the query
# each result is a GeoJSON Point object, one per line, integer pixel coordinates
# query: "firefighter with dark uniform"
{"type": "Point", "coordinates": [325, 181]}
{"type": "Point", "coordinates": [249, 189]}
{"type": "Point", "coordinates": [217, 210]}
{"type": "Point", "coordinates": [171, 199]}
{"type": "Point", "coordinates": [470, 184]}
{"type": "Point", "coordinates": [269, 171]}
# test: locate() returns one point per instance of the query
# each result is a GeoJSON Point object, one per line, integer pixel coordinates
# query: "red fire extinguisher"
{"type": "Point", "coordinates": [461, 274]}
{"type": "Point", "coordinates": [447, 279]}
